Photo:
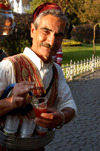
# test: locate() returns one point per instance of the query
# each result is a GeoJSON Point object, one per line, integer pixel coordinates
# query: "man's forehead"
{"type": "Point", "coordinates": [57, 29]}
{"type": "Point", "coordinates": [50, 18]}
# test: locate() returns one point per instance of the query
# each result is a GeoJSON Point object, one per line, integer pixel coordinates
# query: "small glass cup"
{"type": "Point", "coordinates": [11, 124]}
{"type": "Point", "coordinates": [40, 107]}
{"type": "Point", "coordinates": [41, 130]}
{"type": "Point", "coordinates": [27, 127]}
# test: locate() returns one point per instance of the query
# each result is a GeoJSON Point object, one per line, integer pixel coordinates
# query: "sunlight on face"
{"type": "Point", "coordinates": [48, 37]}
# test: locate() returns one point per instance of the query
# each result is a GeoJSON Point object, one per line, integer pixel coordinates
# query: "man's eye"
{"type": "Point", "coordinates": [46, 31]}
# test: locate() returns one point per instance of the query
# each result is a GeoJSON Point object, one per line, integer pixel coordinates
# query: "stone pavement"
{"type": "Point", "coordinates": [83, 133]}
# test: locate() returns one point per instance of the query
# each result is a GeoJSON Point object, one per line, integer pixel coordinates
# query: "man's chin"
{"type": "Point", "coordinates": [46, 59]}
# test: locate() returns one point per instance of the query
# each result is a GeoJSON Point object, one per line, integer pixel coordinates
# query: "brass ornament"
{"type": "Point", "coordinates": [5, 2]}
{"type": "Point", "coordinates": [6, 19]}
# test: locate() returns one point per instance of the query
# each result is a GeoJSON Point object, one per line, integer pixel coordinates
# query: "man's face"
{"type": "Point", "coordinates": [48, 37]}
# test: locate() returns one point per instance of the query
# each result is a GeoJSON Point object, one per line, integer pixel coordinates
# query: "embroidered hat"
{"type": "Point", "coordinates": [43, 7]}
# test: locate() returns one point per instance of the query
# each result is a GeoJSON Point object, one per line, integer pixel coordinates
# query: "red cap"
{"type": "Point", "coordinates": [2, 6]}
{"type": "Point", "coordinates": [43, 7]}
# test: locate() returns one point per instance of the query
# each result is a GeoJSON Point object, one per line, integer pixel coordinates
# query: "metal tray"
{"type": "Point", "coordinates": [17, 142]}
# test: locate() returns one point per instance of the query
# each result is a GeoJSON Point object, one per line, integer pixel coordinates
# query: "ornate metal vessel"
{"type": "Point", "coordinates": [17, 142]}
{"type": "Point", "coordinates": [6, 19]}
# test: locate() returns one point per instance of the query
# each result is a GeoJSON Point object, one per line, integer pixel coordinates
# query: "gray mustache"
{"type": "Point", "coordinates": [47, 45]}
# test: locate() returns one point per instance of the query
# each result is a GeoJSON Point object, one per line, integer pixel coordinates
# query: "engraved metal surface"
{"type": "Point", "coordinates": [6, 19]}
{"type": "Point", "coordinates": [19, 143]}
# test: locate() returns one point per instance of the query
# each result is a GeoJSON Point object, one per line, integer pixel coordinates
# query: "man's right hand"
{"type": "Point", "coordinates": [19, 93]}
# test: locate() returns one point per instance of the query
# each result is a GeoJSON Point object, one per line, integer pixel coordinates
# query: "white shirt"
{"type": "Point", "coordinates": [64, 96]}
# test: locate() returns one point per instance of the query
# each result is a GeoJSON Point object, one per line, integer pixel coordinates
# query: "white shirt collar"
{"type": "Point", "coordinates": [36, 60]}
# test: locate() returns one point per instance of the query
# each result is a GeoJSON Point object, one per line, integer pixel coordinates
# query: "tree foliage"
{"type": "Point", "coordinates": [25, 2]}
{"type": "Point", "coordinates": [62, 3]}
{"type": "Point", "coordinates": [20, 37]}
{"type": "Point", "coordinates": [88, 11]}
{"type": "Point", "coordinates": [34, 4]}
{"type": "Point", "coordinates": [84, 33]}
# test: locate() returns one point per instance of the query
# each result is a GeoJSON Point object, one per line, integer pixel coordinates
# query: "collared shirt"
{"type": "Point", "coordinates": [64, 96]}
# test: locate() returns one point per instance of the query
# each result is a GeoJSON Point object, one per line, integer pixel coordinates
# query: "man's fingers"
{"type": "Point", "coordinates": [25, 83]}
{"type": "Point", "coordinates": [20, 88]}
{"type": "Point", "coordinates": [50, 110]}
{"type": "Point", "coordinates": [47, 115]}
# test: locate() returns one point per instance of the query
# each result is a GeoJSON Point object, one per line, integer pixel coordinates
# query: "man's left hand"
{"type": "Point", "coordinates": [53, 117]}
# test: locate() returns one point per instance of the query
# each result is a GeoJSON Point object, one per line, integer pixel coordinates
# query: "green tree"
{"type": "Point", "coordinates": [25, 2]}
{"type": "Point", "coordinates": [34, 4]}
{"type": "Point", "coordinates": [87, 11]}
{"type": "Point", "coordinates": [62, 3]}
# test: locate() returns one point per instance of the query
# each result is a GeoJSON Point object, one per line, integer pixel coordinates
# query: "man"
{"type": "Point", "coordinates": [33, 70]}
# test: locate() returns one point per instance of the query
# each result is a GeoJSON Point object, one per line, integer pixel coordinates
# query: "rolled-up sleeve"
{"type": "Point", "coordinates": [7, 75]}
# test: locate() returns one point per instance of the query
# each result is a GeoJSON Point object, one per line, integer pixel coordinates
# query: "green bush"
{"type": "Point", "coordinates": [20, 37]}
{"type": "Point", "coordinates": [84, 33]}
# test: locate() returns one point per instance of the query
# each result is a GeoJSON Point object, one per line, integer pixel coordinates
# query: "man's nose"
{"type": "Point", "coordinates": [51, 39]}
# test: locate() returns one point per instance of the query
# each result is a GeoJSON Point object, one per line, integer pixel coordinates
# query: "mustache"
{"type": "Point", "coordinates": [47, 45]}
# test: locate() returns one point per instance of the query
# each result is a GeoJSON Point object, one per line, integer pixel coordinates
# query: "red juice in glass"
{"type": "Point", "coordinates": [38, 111]}
{"type": "Point", "coordinates": [39, 108]}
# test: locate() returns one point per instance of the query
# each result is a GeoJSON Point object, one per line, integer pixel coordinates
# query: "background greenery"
{"type": "Point", "coordinates": [79, 52]}
{"type": "Point", "coordinates": [20, 37]}
{"type": "Point", "coordinates": [81, 18]}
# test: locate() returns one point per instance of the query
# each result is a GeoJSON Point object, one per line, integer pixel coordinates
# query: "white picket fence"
{"type": "Point", "coordinates": [76, 69]}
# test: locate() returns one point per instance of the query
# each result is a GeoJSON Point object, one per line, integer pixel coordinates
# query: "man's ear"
{"type": "Point", "coordinates": [32, 30]}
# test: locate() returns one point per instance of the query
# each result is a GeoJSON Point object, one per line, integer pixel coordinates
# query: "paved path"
{"type": "Point", "coordinates": [83, 133]}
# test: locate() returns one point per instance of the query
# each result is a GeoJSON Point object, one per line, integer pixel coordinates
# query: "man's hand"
{"type": "Point", "coordinates": [19, 93]}
{"type": "Point", "coordinates": [54, 118]}
{"type": "Point", "coordinates": [49, 120]}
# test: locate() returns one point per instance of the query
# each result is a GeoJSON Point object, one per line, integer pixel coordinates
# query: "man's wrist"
{"type": "Point", "coordinates": [63, 122]}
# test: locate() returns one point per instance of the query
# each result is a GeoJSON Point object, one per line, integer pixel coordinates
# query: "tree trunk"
{"type": "Point", "coordinates": [94, 37]}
